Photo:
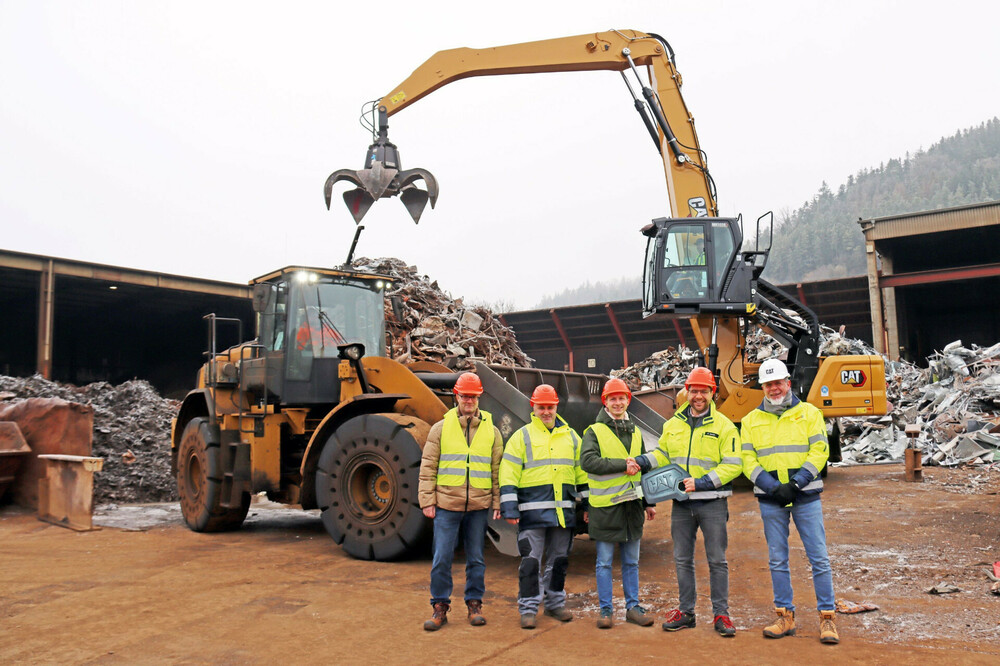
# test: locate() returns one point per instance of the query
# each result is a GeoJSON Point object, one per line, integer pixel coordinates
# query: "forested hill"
{"type": "Point", "coordinates": [822, 239]}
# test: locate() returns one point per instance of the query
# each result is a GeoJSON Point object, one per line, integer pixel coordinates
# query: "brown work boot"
{"type": "Point", "coordinates": [783, 626]}
{"type": "Point", "coordinates": [440, 617]}
{"type": "Point", "coordinates": [476, 618]}
{"type": "Point", "coordinates": [638, 615]}
{"type": "Point", "coordinates": [827, 628]}
{"type": "Point", "coordinates": [560, 614]}
{"type": "Point", "coordinates": [528, 621]}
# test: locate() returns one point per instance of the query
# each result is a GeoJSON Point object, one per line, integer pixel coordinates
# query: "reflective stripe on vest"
{"type": "Point", "coordinates": [459, 460]}
{"type": "Point", "coordinates": [609, 489]}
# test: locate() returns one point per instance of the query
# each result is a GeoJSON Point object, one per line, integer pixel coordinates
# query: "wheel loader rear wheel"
{"type": "Point", "coordinates": [366, 487]}
{"type": "Point", "coordinates": [199, 481]}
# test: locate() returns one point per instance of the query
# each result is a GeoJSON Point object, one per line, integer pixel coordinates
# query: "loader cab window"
{"type": "Point", "coordinates": [271, 319]}
{"type": "Point", "coordinates": [685, 271]}
{"type": "Point", "coordinates": [325, 312]}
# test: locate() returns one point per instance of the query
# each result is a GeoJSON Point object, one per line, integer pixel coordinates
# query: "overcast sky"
{"type": "Point", "coordinates": [194, 138]}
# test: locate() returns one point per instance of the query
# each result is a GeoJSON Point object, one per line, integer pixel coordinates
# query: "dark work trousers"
{"type": "Point", "coordinates": [685, 520]}
{"type": "Point", "coordinates": [552, 543]}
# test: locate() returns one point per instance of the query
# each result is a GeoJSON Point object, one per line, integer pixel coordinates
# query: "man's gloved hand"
{"type": "Point", "coordinates": [785, 493]}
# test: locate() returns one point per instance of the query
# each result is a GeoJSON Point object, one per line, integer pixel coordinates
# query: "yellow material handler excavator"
{"type": "Point", "coordinates": [695, 266]}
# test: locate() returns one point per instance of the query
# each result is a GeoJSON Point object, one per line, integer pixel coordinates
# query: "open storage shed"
{"type": "Point", "coordinates": [934, 277]}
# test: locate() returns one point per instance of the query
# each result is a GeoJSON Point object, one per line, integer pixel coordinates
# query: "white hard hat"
{"type": "Point", "coordinates": [771, 370]}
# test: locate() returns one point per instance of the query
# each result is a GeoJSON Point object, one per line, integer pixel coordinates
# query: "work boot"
{"type": "Point", "coordinates": [724, 626]}
{"type": "Point", "coordinates": [827, 628]}
{"type": "Point", "coordinates": [476, 618]}
{"type": "Point", "coordinates": [440, 617]}
{"type": "Point", "coordinates": [604, 622]}
{"type": "Point", "coordinates": [783, 626]}
{"type": "Point", "coordinates": [528, 621]}
{"type": "Point", "coordinates": [560, 614]}
{"type": "Point", "coordinates": [637, 615]}
{"type": "Point", "coordinates": [677, 620]}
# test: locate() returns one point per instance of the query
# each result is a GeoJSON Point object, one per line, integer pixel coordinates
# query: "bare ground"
{"type": "Point", "coordinates": [144, 589]}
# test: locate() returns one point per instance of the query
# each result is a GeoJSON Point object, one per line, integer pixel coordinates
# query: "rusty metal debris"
{"type": "Point", "coordinates": [955, 402]}
{"type": "Point", "coordinates": [129, 417]}
{"type": "Point", "coordinates": [433, 326]}
{"type": "Point", "coordinates": [849, 607]}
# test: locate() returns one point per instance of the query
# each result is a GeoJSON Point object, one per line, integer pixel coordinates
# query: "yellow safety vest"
{"type": "Point", "coordinates": [609, 489]}
{"type": "Point", "coordinates": [784, 444]}
{"type": "Point", "coordinates": [461, 462]}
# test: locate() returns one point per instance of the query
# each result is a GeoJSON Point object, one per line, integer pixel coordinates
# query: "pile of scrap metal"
{"type": "Point", "coordinates": [432, 326]}
{"type": "Point", "coordinates": [668, 367]}
{"type": "Point", "coordinates": [131, 432]}
{"type": "Point", "coordinates": [955, 401]}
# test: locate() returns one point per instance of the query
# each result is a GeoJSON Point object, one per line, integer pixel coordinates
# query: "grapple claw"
{"type": "Point", "coordinates": [382, 178]}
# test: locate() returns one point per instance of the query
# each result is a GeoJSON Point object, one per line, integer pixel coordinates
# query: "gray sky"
{"type": "Point", "coordinates": [195, 137]}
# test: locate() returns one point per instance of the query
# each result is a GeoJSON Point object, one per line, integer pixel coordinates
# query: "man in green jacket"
{"type": "Point", "coordinates": [617, 511]}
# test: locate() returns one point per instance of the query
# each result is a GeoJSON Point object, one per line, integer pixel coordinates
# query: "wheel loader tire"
{"type": "Point", "coordinates": [199, 481]}
{"type": "Point", "coordinates": [366, 486]}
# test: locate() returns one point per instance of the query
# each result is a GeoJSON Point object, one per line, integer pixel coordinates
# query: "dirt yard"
{"type": "Point", "coordinates": [145, 589]}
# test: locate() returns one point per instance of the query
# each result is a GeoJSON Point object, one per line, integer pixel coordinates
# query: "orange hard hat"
{"type": "Point", "coordinates": [613, 386]}
{"type": "Point", "coordinates": [700, 377]}
{"type": "Point", "coordinates": [468, 384]}
{"type": "Point", "coordinates": [544, 395]}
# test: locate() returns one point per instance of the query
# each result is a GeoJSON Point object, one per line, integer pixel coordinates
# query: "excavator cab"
{"type": "Point", "coordinates": [695, 266]}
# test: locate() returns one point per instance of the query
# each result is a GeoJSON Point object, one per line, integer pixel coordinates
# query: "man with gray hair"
{"type": "Point", "coordinates": [784, 450]}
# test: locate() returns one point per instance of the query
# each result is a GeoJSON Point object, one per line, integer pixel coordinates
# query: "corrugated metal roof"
{"type": "Point", "coordinates": [932, 221]}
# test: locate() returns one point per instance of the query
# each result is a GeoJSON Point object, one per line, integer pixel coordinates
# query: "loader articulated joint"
{"type": "Point", "coordinates": [383, 177]}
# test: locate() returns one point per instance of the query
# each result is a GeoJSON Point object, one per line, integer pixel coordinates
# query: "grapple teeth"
{"type": "Point", "coordinates": [382, 178]}
{"type": "Point", "coordinates": [358, 202]}
{"type": "Point", "coordinates": [338, 175]}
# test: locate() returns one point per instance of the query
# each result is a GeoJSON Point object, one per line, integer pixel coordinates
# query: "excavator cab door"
{"type": "Point", "coordinates": [694, 266]}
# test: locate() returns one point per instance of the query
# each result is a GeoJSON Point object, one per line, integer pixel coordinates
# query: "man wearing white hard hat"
{"type": "Point", "coordinates": [784, 450]}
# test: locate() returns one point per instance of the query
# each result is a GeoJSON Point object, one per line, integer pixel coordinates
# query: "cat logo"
{"type": "Point", "coordinates": [855, 378]}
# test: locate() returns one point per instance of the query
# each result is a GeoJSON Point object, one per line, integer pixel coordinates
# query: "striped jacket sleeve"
{"type": "Point", "coordinates": [511, 466]}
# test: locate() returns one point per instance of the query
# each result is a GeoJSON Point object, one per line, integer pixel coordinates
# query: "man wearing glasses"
{"type": "Point", "coordinates": [458, 489]}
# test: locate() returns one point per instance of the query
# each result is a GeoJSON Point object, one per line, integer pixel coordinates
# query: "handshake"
{"type": "Point", "coordinates": [631, 467]}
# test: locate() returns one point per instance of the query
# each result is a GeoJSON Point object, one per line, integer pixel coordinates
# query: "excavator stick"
{"type": "Point", "coordinates": [382, 178]}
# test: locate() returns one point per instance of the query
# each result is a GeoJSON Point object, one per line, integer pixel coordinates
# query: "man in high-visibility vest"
{"type": "Point", "coordinates": [617, 511]}
{"type": "Point", "coordinates": [784, 450]}
{"type": "Point", "coordinates": [706, 444]}
{"type": "Point", "coordinates": [540, 479]}
{"type": "Point", "coordinates": [459, 487]}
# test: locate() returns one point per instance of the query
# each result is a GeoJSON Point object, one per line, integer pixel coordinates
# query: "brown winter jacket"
{"type": "Point", "coordinates": [457, 498]}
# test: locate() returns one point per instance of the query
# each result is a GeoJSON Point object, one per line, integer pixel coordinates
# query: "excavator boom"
{"type": "Point", "coordinates": [691, 192]}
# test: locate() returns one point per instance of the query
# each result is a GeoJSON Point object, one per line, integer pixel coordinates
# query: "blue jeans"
{"type": "Point", "coordinates": [629, 554]}
{"type": "Point", "coordinates": [446, 527]}
{"type": "Point", "coordinates": [809, 523]}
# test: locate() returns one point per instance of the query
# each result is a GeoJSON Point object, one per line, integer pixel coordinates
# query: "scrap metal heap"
{"type": "Point", "coordinates": [131, 433]}
{"type": "Point", "coordinates": [433, 326]}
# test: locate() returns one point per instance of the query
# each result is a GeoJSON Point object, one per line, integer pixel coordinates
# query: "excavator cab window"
{"type": "Point", "coordinates": [684, 262]}
{"type": "Point", "coordinates": [693, 266]}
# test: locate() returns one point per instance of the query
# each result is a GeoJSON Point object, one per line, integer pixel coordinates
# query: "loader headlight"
{"type": "Point", "coordinates": [353, 351]}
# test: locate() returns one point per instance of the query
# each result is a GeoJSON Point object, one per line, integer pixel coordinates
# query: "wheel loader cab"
{"type": "Point", "coordinates": [304, 318]}
{"type": "Point", "coordinates": [693, 266]}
